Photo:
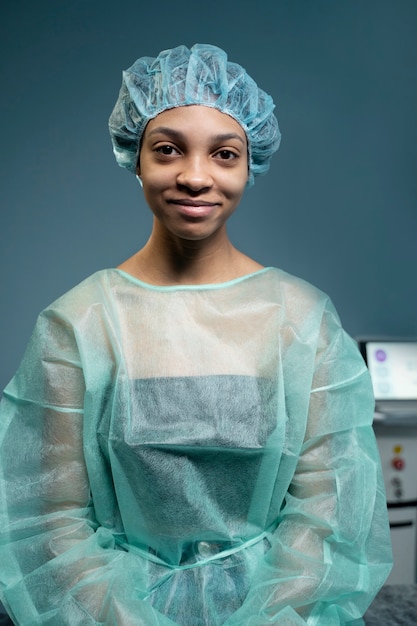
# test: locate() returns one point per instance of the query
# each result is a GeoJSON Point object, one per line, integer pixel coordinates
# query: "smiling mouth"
{"type": "Point", "coordinates": [192, 203]}
{"type": "Point", "coordinates": [194, 208]}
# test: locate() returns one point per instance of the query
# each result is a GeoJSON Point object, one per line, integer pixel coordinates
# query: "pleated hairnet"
{"type": "Point", "coordinates": [180, 77]}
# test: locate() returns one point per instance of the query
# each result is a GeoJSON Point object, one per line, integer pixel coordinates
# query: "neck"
{"type": "Point", "coordinates": [166, 260]}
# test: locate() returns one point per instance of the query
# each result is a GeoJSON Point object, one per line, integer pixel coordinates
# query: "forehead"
{"type": "Point", "coordinates": [198, 119]}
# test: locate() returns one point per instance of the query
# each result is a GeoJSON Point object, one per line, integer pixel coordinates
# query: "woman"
{"type": "Point", "coordinates": [188, 439]}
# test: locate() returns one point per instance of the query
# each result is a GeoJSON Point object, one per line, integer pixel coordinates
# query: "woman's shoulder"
{"type": "Point", "coordinates": [296, 291]}
{"type": "Point", "coordinates": [91, 292]}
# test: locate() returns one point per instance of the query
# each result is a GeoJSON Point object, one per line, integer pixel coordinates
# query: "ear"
{"type": "Point", "coordinates": [139, 180]}
{"type": "Point", "coordinates": [138, 172]}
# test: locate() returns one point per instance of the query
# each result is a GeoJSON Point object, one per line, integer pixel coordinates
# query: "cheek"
{"type": "Point", "coordinates": [154, 188]}
{"type": "Point", "coordinates": [153, 181]}
{"type": "Point", "coordinates": [236, 185]}
{"type": "Point", "coordinates": [151, 194]}
{"type": "Point", "coordinates": [241, 177]}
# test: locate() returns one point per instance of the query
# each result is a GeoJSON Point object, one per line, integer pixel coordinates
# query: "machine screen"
{"type": "Point", "coordinates": [393, 369]}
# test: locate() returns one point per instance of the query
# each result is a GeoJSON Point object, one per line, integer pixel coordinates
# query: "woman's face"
{"type": "Point", "coordinates": [194, 168]}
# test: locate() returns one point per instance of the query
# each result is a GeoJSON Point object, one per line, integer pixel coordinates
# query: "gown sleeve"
{"type": "Point", "coordinates": [58, 566]}
{"type": "Point", "coordinates": [331, 550]}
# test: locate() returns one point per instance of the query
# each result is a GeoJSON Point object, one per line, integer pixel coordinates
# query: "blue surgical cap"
{"type": "Point", "coordinates": [180, 77]}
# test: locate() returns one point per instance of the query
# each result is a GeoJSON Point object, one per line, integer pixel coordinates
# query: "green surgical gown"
{"type": "Point", "coordinates": [197, 455]}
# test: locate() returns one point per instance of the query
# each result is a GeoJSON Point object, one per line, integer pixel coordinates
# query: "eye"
{"type": "Point", "coordinates": [226, 155]}
{"type": "Point", "coordinates": [166, 150]}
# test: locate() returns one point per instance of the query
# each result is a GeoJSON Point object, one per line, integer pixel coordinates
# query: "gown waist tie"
{"type": "Point", "coordinates": [204, 549]}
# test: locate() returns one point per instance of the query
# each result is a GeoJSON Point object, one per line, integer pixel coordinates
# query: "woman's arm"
{"type": "Point", "coordinates": [57, 565]}
{"type": "Point", "coordinates": [331, 550]}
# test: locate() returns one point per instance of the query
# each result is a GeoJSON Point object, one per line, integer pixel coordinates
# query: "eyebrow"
{"type": "Point", "coordinates": [177, 134]}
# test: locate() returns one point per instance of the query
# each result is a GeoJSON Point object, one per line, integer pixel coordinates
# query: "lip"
{"type": "Point", "coordinates": [193, 207]}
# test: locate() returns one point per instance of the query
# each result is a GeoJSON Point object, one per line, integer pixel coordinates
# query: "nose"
{"type": "Point", "coordinates": [195, 174]}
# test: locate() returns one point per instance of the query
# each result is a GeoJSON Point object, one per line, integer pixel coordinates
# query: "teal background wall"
{"type": "Point", "coordinates": [339, 206]}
